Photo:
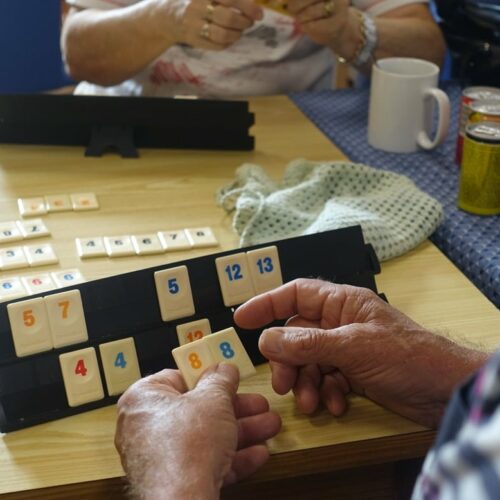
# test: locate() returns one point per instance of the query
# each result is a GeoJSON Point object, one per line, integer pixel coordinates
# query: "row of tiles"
{"type": "Point", "coordinates": [58, 320]}
{"type": "Point", "coordinates": [82, 379]}
{"type": "Point", "coordinates": [27, 256]}
{"type": "Point", "coordinates": [78, 202]}
{"type": "Point", "coordinates": [18, 230]}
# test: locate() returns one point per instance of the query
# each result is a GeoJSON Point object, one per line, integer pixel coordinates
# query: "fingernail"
{"type": "Point", "coordinates": [270, 341]}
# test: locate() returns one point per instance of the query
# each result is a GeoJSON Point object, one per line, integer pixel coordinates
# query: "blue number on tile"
{"type": "Point", "coordinates": [173, 286]}
{"type": "Point", "coordinates": [226, 350]}
{"type": "Point", "coordinates": [265, 265]}
{"type": "Point", "coordinates": [233, 272]}
{"type": "Point", "coordinates": [7, 285]}
{"type": "Point", "coordinates": [120, 360]}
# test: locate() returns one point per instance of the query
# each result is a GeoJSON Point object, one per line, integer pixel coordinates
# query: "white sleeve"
{"type": "Point", "coordinates": [378, 7]}
{"type": "Point", "coordinates": [101, 4]}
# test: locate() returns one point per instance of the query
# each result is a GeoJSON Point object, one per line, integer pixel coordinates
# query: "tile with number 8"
{"type": "Point", "coordinates": [192, 360]}
{"type": "Point", "coordinates": [226, 346]}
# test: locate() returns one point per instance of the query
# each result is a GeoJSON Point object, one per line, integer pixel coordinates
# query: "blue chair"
{"type": "Point", "coordinates": [30, 55]}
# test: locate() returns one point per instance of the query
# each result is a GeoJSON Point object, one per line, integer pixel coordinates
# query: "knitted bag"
{"type": "Point", "coordinates": [318, 196]}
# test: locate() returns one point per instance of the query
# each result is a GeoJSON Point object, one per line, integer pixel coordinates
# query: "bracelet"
{"type": "Point", "coordinates": [367, 43]}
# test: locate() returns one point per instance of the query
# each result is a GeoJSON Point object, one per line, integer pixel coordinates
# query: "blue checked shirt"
{"type": "Point", "coordinates": [465, 460]}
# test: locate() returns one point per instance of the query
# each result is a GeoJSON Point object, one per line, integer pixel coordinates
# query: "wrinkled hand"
{"type": "Point", "coordinates": [174, 444]}
{"type": "Point", "coordinates": [340, 338]}
{"type": "Point", "coordinates": [325, 21]}
{"type": "Point", "coordinates": [213, 25]}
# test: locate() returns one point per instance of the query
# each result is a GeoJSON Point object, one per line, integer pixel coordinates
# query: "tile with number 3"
{"type": "Point", "coordinates": [264, 265]}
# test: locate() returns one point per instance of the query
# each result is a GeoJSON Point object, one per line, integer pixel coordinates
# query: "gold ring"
{"type": "Point", "coordinates": [210, 11]}
{"type": "Point", "coordinates": [329, 5]}
{"type": "Point", "coordinates": [205, 31]}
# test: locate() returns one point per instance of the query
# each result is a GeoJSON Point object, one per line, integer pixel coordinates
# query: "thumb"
{"type": "Point", "coordinates": [223, 378]}
{"type": "Point", "coordinates": [302, 346]}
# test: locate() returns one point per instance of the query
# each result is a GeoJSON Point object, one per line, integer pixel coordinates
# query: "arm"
{"type": "Point", "coordinates": [186, 445]}
{"type": "Point", "coordinates": [408, 31]}
{"type": "Point", "coordinates": [108, 47]}
{"type": "Point", "coordinates": [341, 339]}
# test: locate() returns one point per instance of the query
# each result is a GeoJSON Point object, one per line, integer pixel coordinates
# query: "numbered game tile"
{"type": "Point", "coordinates": [29, 326]}
{"type": "Point", "coordinates": [264, 265]}
{"type": "Point", "coordinates": [174, 240]}
{"type": "Point", "coordinates": [234, 279]}
{"type": "Point", "coordinates": [119, 246]}
{"type": "Point", "coordinates": [88, 248]}
{"type": "Point", "coordinates": [10, 231]}
{"type": "Point", "coordinates": [13, 258]}
{"type": "Point", "coordinates": [226, 346]}
{"type": "Point", "coordinates": [58, 203]}
{"type": "Point", "coordinates": [121, 366]}
{"type": "Point", "coordinates": [147, 244]}
{"type": "Point", "coordinates": [29, 207]}
{"type": "Point", "coordinates": [174, 293]}
{"type": "Point", "coordinates": [68, 278]}
{"type": "Point", "coordinates": [33, 228]}
{"type": "Point", "coordinates": [38, 283]}
{"type": "Point", "coordinates": [201, 237]}
{"type": "Point", "coordinates": [192, 360]}
{"type": "Point", "coordinates": [40, 255]}
{"type": "Point", "coordinates": [84, 201]}
{"type": "Point", "coordinates": [66, 318]}
{"type": "Point", "coordinates": [11, 288]}
{"type": "Point", "coordinates": [194, 330]}
{"type": "Point", "coordinates": [81, 376]}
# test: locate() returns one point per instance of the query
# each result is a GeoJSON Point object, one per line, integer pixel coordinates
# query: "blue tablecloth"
{"type": "Point", "coordinates": [472, 242]}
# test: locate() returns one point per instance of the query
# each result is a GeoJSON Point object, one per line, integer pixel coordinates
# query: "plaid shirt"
{"type": "Point", "coordinates": [465, 460]}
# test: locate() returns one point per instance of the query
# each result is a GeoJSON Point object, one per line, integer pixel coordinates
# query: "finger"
{"type": "Point", "coordinates": [246, 462]}
{"type": "Point", "coordinates": [302, 346]}
{"type": "Point", "coordinates": [257, 429]}
{"type": "Point", "coordinates": [247, 7]}
{"type": "Point", "coordinates": [333, 393]}
{"type": "Point", "coordinates": [246, 405]}
{"type": "Point", "coordinates": [223, 377]}
{"type": "Point", "coordinates": [283, 377]}
{"type": "Point", "coordinates": [171, 378]}
{"type": "Point", "coordinates": [230, 18]}
{"type": "Point", "coordinates": [314, 12]}
{"type": "Point", "coordinates": [306, 389]}
{"type": "Point", "coordinates": [214, 37]}
{"type": "Point", "coordinates": [299, 321]}
{"type": "Point", "coordinates": [304, 297]}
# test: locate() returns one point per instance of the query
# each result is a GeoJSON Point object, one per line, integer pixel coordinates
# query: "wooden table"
{"type": "Point", "coordinates": [358, 455]}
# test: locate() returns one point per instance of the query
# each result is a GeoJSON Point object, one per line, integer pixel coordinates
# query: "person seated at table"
{"type": "Point", "coordinates": [235, 48]}
{"type": "Point", "coordinates": [338, 339]}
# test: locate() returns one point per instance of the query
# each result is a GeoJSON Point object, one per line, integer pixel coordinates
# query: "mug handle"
{"type": "Point", "coordinates": [443, 123]}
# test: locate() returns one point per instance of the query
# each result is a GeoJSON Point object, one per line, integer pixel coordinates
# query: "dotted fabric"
{"type": "Point", "coordinates": [472, 242]}
{"type": "Point", "coordinates": [313, 197]}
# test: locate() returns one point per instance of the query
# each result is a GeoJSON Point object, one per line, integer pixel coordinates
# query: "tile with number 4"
{"type": "Point", "coordinates": [41, 255]}
{"type": "Point", "coordinates": [81, 376]}
{"type": "Point", "coordinates": [120, 363]}
{"type": "Point", "coordinates": [226, 346]}
{"type": "Point", "coordinates": [88, 248]}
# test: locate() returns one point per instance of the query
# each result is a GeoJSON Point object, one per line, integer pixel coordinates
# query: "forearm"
{"type": "Point", "coordinates": [405, 32]}
{"type": "Point", "coordinates": [108, 47]}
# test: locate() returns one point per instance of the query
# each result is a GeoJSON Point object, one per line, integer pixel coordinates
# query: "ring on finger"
{"type": "Point", "coordinates": [205, 31]}
{"type": "Point", "coordinates": [210, 11]}
{"type": "Point", "coordinates": [328, 7]}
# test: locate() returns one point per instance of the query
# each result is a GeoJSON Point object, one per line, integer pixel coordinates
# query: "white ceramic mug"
{"type": "Point", "coordinates": [402, 97]}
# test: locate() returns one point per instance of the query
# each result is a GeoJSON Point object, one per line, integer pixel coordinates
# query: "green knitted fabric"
{"type": "Point", "coordinates": [318, 196]}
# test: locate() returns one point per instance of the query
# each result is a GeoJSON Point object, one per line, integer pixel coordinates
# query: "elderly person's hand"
{"type": "Point", "coordinates": [212, 25]}
{"type": "Point", "coordinates": [329, 22]}
{"type": "Point", "coordinates": [176, 444]}
{"type": "Point", "coordinates": [340, 338]}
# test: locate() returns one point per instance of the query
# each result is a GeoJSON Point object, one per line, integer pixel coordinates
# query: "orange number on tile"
{"type": "Point", "coordinates": [28, 318]}
{"type": "Point", "coordinates": [80, 368]}
{"type": "Point", "coordinates": [64, 305]}
{"type": "Point", "coordinates": [194, 360]}
{"type": "Point", "coordinates": [196, 335]}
